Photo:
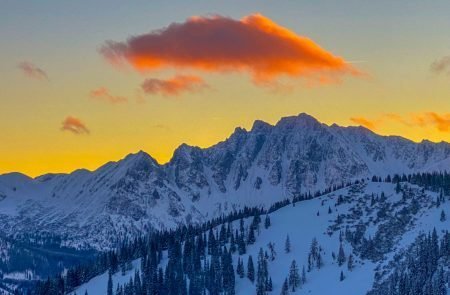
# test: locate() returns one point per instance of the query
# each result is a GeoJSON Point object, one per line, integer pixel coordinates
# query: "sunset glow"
{"type": "Point", "coordinates": [77, 92]}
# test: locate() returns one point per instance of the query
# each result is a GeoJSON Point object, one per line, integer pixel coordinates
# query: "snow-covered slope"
{"type": "Point", "coordinates": [362, 209]}
{"type": "Point", "coordinates": [256, 167]}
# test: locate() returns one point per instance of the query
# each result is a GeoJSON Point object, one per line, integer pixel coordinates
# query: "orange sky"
{"type": "Point", "coordinates": [76, 93]}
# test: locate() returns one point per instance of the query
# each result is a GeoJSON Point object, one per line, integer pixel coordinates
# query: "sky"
{"type": "Point", "coordinates": [86, 82]}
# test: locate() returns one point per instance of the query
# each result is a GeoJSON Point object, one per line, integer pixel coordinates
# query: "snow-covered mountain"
{"type": "Point", "coordinates": [378, 225]}
{"type": "Point", "coordinates": [257, 167]}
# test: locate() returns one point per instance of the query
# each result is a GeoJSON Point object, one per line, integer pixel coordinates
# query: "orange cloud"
{"type": "Point", "coordinates": [425, 119]}
{"type": "Point", "coordinates": [254, 44]}
{"type": "Point", "coordinates": [440, 121]}
{"type": "Point", "coordinates": [102, 94]}
{"type": "Point", "coordinates": [173, 86]}
{"type": "Point", "coordinates": [364, 122]}
{"type": "Point", "coordinates": [32, 71]}
{"type": "Point", "coordinates": [74, 125]}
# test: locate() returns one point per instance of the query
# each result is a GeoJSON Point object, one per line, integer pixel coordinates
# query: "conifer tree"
{"type": "Point", "coordinates": [341, 256]}
{"type": "Point", "coordinates": [294, 276]}
{"type": "Point", "coordinates": [262, 274]}
{"type": "Point", "coordinates": [267, 222]}
{"type": "Point", "coordinates": [251, 236]}
{"type": "Point", "coordinates": [303, 275]}
{"type": "Point", "coordinates": [319, 261]}
{"type": "Point", "coordinates": [285, 288]}
{"type": "Point", "coordinates": [350, 262]}
{"type": "Point", "coordinates": [287, 245]}
{"type": "Point", "coordinates": [273, 253]}
{"type": "Point", "coordinates": [109, 290]}
{"type": "Point", "coordinates": [250, 269]}
{"type": "Point", "coordinates": [269, 285]}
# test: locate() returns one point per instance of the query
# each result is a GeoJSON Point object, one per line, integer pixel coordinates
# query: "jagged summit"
{"type": "Point", "coordinates": [138, 156]}
{"type": "Point", "coordinates": [261, 126]}
{"type": "Point", "coordinates": [250, 168]}
{"type": "Point", "coordinates": [301, 120]}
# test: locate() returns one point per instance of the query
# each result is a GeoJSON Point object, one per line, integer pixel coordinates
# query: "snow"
{"type": "Point", "coordinates": [200, 184]}
{"type": "Point", "coordinates": [98, 285]}
{"type": "Point", "coordinates": [302, 224]}
{"type": "Point", "coordinates": [298, 154]}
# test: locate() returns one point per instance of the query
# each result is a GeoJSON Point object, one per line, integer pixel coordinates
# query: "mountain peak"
{"type": "Point", "coordinates": [139, 157]}
{"type": "Point", "coordinates": [260, 125]}
{"type": "Point", "coordinates": [301, 119]}
{"type": "Point", "coordinates": [184, 151]}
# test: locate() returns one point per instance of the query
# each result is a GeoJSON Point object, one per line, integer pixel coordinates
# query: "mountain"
{"type": "Point", "coordinates": [392, 233]}
{"type": "Point", "coordinates": [257, 167]}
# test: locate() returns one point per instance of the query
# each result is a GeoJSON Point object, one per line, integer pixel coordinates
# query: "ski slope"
{"type": "Point", "coordinates": [302, 223]}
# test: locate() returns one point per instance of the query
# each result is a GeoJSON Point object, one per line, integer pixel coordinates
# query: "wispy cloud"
{"type": "Point", "coordinates": [254, 44]}
{"type": "Point", "coordinates": [173, 86]}
{"type": "Point", "coordinates": [441, 66]}
{"type": "Point", "coordinates": [370, 124]}
{"type": "Point", "coordinates": [441, 122]}
{"type": "Point", "coordinates": [74, 125]}
{"type": "Point", "coordinates": [32, 71]}
{"type": "Point", "coordinates": [103, 94]}
{"type": "Point", "coordinates": [162, 127]}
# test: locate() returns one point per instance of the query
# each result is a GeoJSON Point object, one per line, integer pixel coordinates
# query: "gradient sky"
{"type": "Point", "coordinates": [63, 106]}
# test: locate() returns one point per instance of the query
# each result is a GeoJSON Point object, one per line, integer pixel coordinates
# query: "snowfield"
{"type": "Point", "coordinates": [124, 199]}
{"type": "Point", "coordinates": [311, 219]}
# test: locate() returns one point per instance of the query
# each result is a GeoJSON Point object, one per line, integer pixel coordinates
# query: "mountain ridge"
{"type": "Point", "coordinates": [256, 126]}
{"type": "Point", "coordinates": [255, 167]}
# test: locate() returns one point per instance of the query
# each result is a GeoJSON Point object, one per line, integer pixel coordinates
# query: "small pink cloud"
{"type": "Point", "coordinates": [103, 94]}
{"type": "Point", "coordinates": [32, 71]}
{"type": "Point", "coordinates": [74, 125]}
{"type": "Point", "coordinates": [173, 86]}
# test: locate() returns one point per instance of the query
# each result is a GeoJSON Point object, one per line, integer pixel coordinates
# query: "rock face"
{"type": "Point", "coordinates": [256, 167]}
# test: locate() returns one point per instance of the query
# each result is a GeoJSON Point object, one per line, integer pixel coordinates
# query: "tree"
{"type": "Point", "coordinates": [269, 285]}
{"type": "Point", "coordinates": [273, 253]}
{"type": "Point", "coordinates": [439, 285]}
{"type": "Point", "coordinates": [341, 256]}
{"type": "Point", "coordinates": [383, 196]}
{"type": "Point", "coordinates": [287, 245]}
{"type": "Point", "coordinates": [109, 290]}
{"type": "Point", "coordinates": [303, 275]}
{"type": "Point", "coordinates": [250, 269]}
{"type": "Point", "coordinates": [285, 288]}
{"type": "Point", "coordinates": [240, 268]}
{"type": "Point", "coordinates": [294, 276]}
{"type": "Point", "coordinates": [262, 274]}
{"type": "Point", "coordinates": [341, 277]}
{"type": "Point", "coordinates": [319, 261]}
{"type": "Point", "coordinates": [267, 222]}
{"type": "Point", "coordinates": [251, 236]}
{"type": "Point", "coordinates": [241, 244]}
{"type": "Point", "coordinates": [443, 218]}
{"type": "Point", "coordinates": [350, 262]}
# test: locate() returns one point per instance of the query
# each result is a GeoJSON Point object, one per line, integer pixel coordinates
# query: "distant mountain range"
{"type": "Point", "coordinates": [257, 167]}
